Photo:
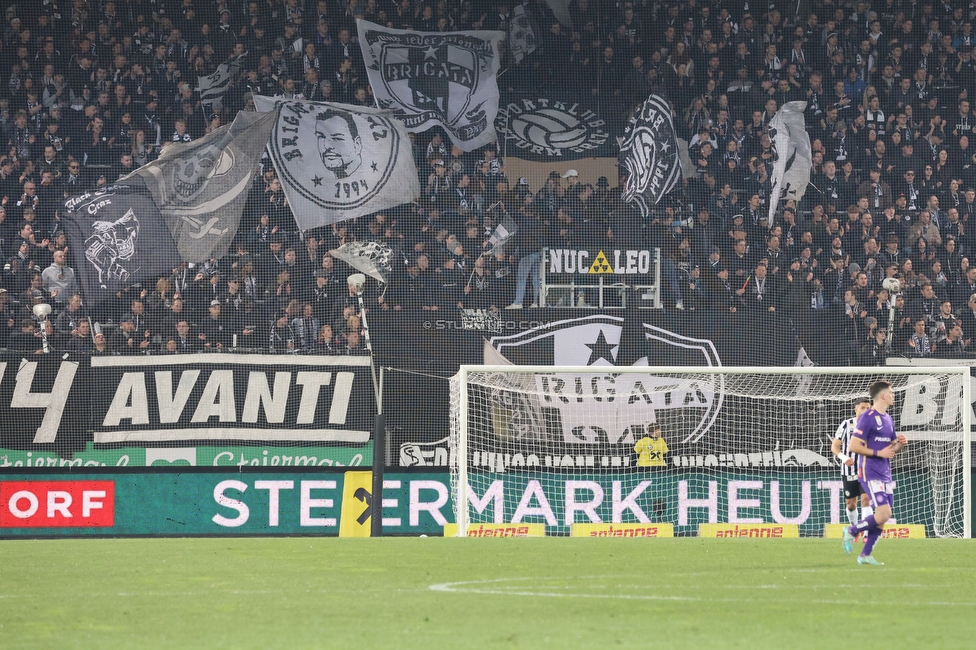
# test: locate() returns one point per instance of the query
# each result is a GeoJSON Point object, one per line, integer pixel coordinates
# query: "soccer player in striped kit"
{"type": "Point", "coordinates": [840, 446]}
{"type": "Point", "coordinates": [875, 441]}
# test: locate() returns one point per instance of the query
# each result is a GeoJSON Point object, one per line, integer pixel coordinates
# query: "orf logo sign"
{"type": "Point", "coordinates": [60, 504]}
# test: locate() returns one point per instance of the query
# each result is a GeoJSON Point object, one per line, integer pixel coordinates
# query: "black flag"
{"type": "Point", "coordinates": [117, 238]}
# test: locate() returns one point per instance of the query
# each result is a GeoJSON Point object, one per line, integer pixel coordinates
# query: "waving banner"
{"type": "Point", "coordinates": [214, 87]}
{"type": "Point", "coordinates": [791, 169]}
{"type": "Point", "coordinates": [338, 162]}
{"type": "Point", "coordinates": [117, 237]}
{"type": "Point", "coordinates": [200, 187]}
{"type": "Point", "coordinates": [374, 258]}
{"type": "Point", "coordinates": [433, 79]}
{"type": "Point", "coordinates": [649, 152]}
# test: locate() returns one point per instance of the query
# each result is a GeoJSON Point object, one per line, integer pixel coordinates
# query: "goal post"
{"type": "Point", "coordinates": [572, 446]}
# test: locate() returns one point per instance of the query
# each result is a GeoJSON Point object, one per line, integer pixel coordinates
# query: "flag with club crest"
{"type": "Point", "coordinates": [649, 153]}
{"type": "Point", "coordinates": [337, 161]}
{"type": "Point", "coordinates": [428, 79]}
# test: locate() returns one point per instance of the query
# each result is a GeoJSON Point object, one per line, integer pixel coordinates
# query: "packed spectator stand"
{"type": "Point", "coordinates": [96, 89]}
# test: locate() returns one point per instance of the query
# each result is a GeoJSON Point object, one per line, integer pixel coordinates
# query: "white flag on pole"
{"type": "Point", "coordinates": [429, 79]}
{"type": "Point", "coordinates": [337, 161]}
{"type": "Point", "coordinates": [791, 169]}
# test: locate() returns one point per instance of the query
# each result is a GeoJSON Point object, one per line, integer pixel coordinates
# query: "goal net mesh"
{"type": "Point", "coordinates": [562, 447]}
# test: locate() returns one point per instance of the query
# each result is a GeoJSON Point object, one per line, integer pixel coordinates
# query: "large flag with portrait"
{"type": "Point", "coordinates": [649, 153]}
{"type": "Point", "coordinates": [117, 238]}
{"type": "Point", "coordinates": [337, 161]}
{"type": "Point", "coordinates": [791, 169]}
{"type": "Point", "coordinates": [200, 187]}
{"type": "Point", "coordinates": [429, 79]}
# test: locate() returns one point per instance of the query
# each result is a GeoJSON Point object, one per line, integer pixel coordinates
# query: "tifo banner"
{"type": "Point", "coordinates": [428, 79]}
{"type": "Point", "coordinates": [200, 187]}
{"type": "Point", "coordinates": [552, 128]}
{"type": "Point", "coordinates": [248, 503]}
{"type": "Point", "coordinates": [361, 162]}
{"type": "Point", "coordinates": [117, 238]}
{"type": "Point", "coordinates": [649, 152]}
{"type": "Point", "coordinates": [245, 397]}
{"type": "Point", "coordinates": [197, 409]}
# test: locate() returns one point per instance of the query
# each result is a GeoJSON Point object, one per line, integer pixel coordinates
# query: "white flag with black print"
{"type": "Point", "coordinates": [213, 87]}
{"type": "Point", "coordinates": [373, 258]}
{"type": "Point", "coordinates": [791, 167]}
{"type": "Point", "coordinates": [504, 231]}
{"type": "Point", "coordinates": [521, 37]}
{"type": "Point", "coordinates": [429, 79]}
{"type": "Point", "coordinates": [649, 152]}
{"type": "Point", "coordinates": [337, 161]}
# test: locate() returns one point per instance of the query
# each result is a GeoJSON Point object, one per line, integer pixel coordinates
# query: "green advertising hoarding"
{"type": "Point", "coordinates": [204, 456]}
{"type": "Point", "coordinates": [209, 503]}
{"type": "Point", "coordinates": [304, 502]}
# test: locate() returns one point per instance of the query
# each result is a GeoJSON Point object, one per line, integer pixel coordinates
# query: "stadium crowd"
{"type": "Point", "coordinates": [96, 89]}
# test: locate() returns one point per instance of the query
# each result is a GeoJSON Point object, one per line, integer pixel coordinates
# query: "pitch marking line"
{"type": "Point", "coordinates": [496, 587]}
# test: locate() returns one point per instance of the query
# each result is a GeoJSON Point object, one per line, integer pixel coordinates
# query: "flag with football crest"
{"type": "Point", "coordinates": [337, 161]}
{"type": "Point", "coordinates": [428, 79]}
{"type": "Point", "coordinates": [649, 153]}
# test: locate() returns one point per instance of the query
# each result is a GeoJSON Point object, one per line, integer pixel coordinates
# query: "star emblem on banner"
{"type": "Point", "coordinates": [317, 180]}
{"type": "Point", "coordinates": [601, 349]}
{"type": "Point", "coordinates": [374, 166]}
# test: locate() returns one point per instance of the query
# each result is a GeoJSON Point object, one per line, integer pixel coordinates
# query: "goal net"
{"type": "Point", "coordinates": [565, 446]}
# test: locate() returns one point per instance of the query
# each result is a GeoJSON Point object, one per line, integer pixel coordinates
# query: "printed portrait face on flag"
{"type": "Point", "coordinates": [436, 79]}
{"type": "Point", "coordinates": [337, 162]}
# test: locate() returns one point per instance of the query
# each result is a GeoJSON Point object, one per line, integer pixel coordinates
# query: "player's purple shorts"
{"type": "Point", "coordinates": [881, 493]}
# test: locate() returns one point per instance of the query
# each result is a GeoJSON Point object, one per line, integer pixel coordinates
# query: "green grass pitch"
{"type": "Point", "coordinates": [484, 593]}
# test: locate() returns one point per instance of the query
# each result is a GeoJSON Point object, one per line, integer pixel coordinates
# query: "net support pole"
{"type": "Point", "coordinates": [379, 463]}
{"type": "Point", "coordinates": [967, 455]}
{"type": "Point", "coordinates": [462, 456]}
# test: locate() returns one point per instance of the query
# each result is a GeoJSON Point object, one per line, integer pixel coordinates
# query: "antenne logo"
{"type": "Point", "coordinates": [551, 127]}
{"type": "Point", "coordinates": [604, 406]}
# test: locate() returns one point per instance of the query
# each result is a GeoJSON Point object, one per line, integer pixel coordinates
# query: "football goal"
{"type": "Point", "coordinates": [608, 449]}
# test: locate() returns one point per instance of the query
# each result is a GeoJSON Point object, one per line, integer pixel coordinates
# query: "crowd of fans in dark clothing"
{"type": "Point", "coordinates": [96, 89]}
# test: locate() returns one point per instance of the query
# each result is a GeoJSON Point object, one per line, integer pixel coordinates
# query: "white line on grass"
{"type": "Point", "coordinates": [495, 587]}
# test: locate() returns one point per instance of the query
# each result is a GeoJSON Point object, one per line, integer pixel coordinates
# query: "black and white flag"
{"type": "Point", "coordinates": [373, 258]}
{"type": "Point", "coordinates": [649, 152]}
{"type": "Point", "coordinates": [794, 159]}
{"type": "Point", "coordinates": [521, 37]}
{"type": "Point", "coordinates": [361, 161]}
{"type": "Point", "coordinates": [430, 79]}
{"type": "Point", "coordinates": [504, 231]}
{"type": "Point", "coordinates": [117, 238]}
{"type": "Point", "coordinates": [200, 187]}
{"type": "Point", "coordinates": [213, 87]}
